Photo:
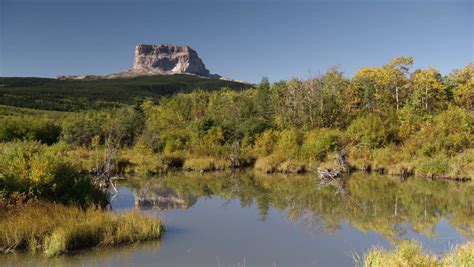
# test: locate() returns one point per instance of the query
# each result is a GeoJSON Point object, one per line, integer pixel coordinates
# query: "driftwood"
{"type": "Point", "coordinates": [335, 178]}
{"type": "Point", "coordinates": [342, 168]}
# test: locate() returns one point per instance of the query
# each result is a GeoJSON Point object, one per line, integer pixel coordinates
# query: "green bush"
{"type": "Point", "coordinates": [264, 143]}
{"type": "Point", "coordinates": [370, 131]}
{"type": "Point", "coordinates": [288, 144]}
{"type": "Point", "coordinates": [122, 125]}
{"type": "Point", "coordinates": [449, 132]}
{"type": "Point", "coordinates": [317, 144]}
{"type": "Point", "coordinates": [43, 172]}
{"type": "Point", "coordinates": [28, 128]}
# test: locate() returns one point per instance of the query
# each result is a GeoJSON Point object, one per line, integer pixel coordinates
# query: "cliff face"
{"type": "Point", "coordinates": [168, 59]}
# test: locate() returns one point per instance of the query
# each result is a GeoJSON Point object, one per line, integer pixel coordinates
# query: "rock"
{"type": "Point", "coordinates": [168, 59]}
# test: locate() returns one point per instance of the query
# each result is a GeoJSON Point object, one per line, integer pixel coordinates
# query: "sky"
{"type": "Point", "coordinates": [243, 40]}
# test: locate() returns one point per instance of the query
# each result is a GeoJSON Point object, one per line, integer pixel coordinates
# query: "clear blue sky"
{"type": "Point", "coordinates": [238, 39]}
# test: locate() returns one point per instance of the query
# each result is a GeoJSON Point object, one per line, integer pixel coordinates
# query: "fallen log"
{"type": "Point", "coordinates": [343, 167]}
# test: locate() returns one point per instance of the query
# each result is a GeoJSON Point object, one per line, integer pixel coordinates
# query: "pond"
{"type": "Point", "coordinates": [252, 219]}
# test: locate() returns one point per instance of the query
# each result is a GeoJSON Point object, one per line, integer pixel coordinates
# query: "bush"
{"type": "Point", "coordinates": [28, 128]}
{"type": "Point", "coordinates": [370, 131]}
{"type": "Point", "coordinates": [318, 143]}
{"type": "Point", "coordinates": [449, 132]}
{"type": "Point", "coordinates": [122, 124]}
{"type": "Point", "coordinates": [265, 143]}
{"type": "Point", "coordinates": [288, 144]}
{"type": "Point", "coordinates": [43, 172]}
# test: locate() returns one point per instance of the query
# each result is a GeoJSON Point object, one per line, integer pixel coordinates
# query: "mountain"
{"type": "Point", "coordinates": [159, 59]}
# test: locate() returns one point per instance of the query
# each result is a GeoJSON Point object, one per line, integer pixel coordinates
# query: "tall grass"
{"type": "Point", "coordinates": [410, 253]}
{"type": "Point", "coordinates": [55, 229]}
{"type": "Point", "coordinates": [206, 164]}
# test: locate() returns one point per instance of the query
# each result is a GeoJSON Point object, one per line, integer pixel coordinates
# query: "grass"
{"type": "Point", "coordinates": [268, 164]}
{"type": "Point", "coordinates": [410, 253]}
{"type": "Point", "coordinates": [55, 229]}
{"type": "Point", "coordinates": [205, 164]}
{"type": "Point", "coordinates": [460, 256]}
{"type": "Point", "coordinates": [292, 166]}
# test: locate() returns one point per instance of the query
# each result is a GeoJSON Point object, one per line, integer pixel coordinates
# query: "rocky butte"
{"type": "Point", "coordinates": [168, 59]}
{"type": "Point", "coordinates": [160, 59]}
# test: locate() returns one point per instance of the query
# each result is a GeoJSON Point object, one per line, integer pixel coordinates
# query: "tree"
{"type": "Point", "coordinates": [427, 90]}
{"type": "Point", "coordinates": [333, 102]}
{"type": "Point", "coordinates": [380, 89]}
{"type": "Point", "coordinates": [263, 104]}
{"type": "Point", "coordinates": [464, 86]}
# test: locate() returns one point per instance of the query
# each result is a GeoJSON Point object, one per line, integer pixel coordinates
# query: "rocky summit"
{"type": "Point", "coordinates": [168, 59]}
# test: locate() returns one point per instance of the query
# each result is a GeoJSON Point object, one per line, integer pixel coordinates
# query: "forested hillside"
{"type": "Point", "coordinates": [76, 95]}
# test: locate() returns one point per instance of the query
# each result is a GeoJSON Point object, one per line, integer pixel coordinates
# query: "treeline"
{"type": "Point", "coordinates": [389, 118]}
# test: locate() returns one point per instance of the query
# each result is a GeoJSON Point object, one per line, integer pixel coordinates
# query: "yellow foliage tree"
{"type": "Point", "coordinates": [428, 92]}
{"type": "Point", "coordinates": [464, 90]}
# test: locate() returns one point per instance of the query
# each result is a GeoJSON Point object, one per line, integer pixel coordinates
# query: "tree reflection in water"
{"type": "Point", "coordinates": [382, 204]}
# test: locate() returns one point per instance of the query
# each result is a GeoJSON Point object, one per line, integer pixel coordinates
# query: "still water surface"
{"type": "Point", "coordinates": [249, 219]}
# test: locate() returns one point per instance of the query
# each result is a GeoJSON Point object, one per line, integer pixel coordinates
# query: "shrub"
{"type": "Point", "coordinates": [318, 143]}
{"type": "Point", "coordinates": [28, 128]}
{"type": "Point", "coordinates": [370, 131]}
{"type": "Point", "coordinates": [43, 172]}
{"type": "Point", "coordinates": [288, 144]}
{"type": "Point", "coordinates": [449, 132]}
{"type": "Point", "coordinates": [264, 144]}
{"type": "Point", "coordinates": [122, 124]}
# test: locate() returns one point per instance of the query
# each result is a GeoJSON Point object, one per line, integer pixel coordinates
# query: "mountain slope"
{"type": "Point", "coordinates": [75, 95]}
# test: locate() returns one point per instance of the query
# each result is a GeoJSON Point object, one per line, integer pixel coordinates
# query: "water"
{"type": "Point", "coordinates": [250, 219]}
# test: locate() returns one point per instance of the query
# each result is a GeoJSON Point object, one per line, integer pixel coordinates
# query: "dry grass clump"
{"type": "Point", "coordinates": [268, 164]}
{"type": "Point", "coordinates": [292, 166]}
{"type": "Point", "coordinates": [410, 253]}
{"type": "Point", "coordinates": [206, 164]}
{"type": "Point", "coordinates": [461, 256]}
{"type": "Point", "coordinates": [55, 229]}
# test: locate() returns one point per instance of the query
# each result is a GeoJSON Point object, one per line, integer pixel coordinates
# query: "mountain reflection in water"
{"type": "Point", "coordinates": [382, 204]}
{"type": "Point", "coordinates": [154, 196]}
